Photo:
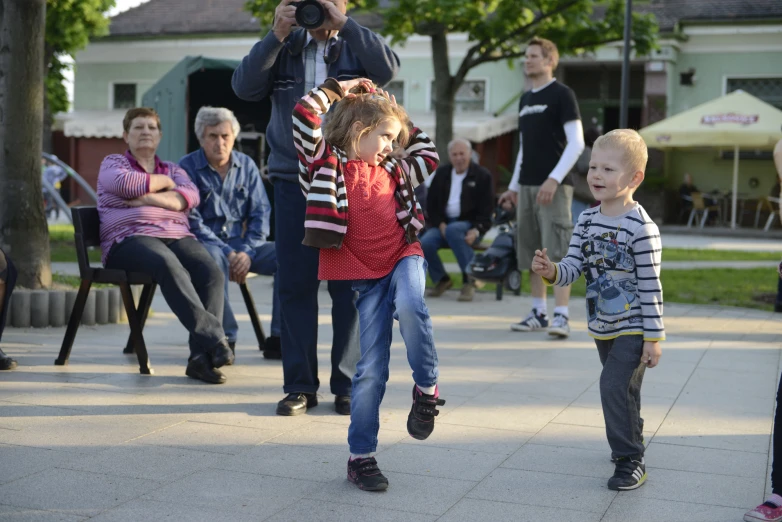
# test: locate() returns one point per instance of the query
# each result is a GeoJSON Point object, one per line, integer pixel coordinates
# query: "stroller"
{"type": "Point", "coordinates": [498, 263]}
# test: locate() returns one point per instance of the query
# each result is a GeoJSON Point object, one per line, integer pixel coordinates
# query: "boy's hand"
{"type": "Point", "coordinates": [347, 85]}
{"type": "Point", "coordinates": [651, 354]}
{"type": "Point", "coordinates": [543, 266]}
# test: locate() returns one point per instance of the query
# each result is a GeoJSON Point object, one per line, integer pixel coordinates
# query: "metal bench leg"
{"type": "Point", "coordinates": [136, 336]}
{"type": "Point", "coordinates": [144, 303]}
{"type": "Point", "coordinates": [248, 301]}
{"type": "Point", "coordinates": [73, 323]}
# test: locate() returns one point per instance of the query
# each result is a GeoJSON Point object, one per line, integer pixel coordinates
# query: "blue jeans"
{"type": "Point", "coordinates": [264, 262]}
{"type": "Point", "coordinates": [297, 275]}
{"type": "Point", "coordinates": [400, 296]}
{"type": "Point", "coordinates": [432, 241]}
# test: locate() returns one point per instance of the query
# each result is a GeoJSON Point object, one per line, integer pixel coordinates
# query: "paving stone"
{"type": "Point", "coordinates": [684, 486]}
{"type": "Point", "coordinates": [320, 511]}
{"type": "Point", "coordinates": [332, 436]}
{"type": "Point", "coordinates": [211, 438]}
{"type": "Point", "coordinates": [22, 514]}
{"type": "Point", "coordinates": [706, 460]}
{"type": "Point", "coordinates": [470, 509]}
{"type": "Point", "coordinates": [145, 509]}
{"type": "Point", "coordinates": [629, 506]}
{"type": "Point", "coordinates": [74, 492]}
{"type": "Point", "coordinates": [545, 489]}
{"type": "Point", "coordinates": [411, 493]}
{"type": "Point", "coordinates": [520, 412]}
{"type": "Point", "coordinates": [142, 461]}
{"type": "Point", "coordinates": [439, 462]}
{"type": "Point", "coordinates": [245, 493]}
{"type": "Point", "coordinates": [567, 461]}
{"type": "Point", "coordinates": [470, 438]}
{"type": "Point", "coordinates": [299, 462]}
{"type": "Point", "coordinates": [21, 461]}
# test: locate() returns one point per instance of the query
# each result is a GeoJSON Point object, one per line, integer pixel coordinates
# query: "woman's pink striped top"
{"type": "Point", "coordinates": [121, 178]}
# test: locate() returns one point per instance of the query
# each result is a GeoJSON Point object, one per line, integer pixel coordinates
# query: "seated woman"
{"type": "Point", "coordinates": [143, 205]}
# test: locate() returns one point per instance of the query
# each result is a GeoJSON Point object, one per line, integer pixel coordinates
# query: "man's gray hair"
{"type": "Point", "coordinates": [459, 140]}
{"type": "Point", "coordinates": [211, 116]}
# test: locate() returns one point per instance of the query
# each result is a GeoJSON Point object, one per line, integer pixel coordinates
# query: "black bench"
{"type": "Point", "coordinates": [86, 225]}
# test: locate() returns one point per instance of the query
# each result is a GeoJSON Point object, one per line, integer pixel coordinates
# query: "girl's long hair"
{"type": "Point", "coordinates": [368, 108]}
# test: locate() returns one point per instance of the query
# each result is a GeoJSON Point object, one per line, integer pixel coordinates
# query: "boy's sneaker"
{"type": "Point", "coordinates": [559, 326]}
{"type": "Point", "coordinates": [420, 421]}
{"type": "Point", "coordinates": [767, 512]}
{"type": "Point", "coordinates": [532, 323]}
{"type": "Point", "coordinates": [630, 473]}
{"type": "Point", "coordinates": [365, 474]}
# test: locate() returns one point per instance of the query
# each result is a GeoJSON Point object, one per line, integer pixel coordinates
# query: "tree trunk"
{"type": "Point", "coordinates": [23, 230]}
{"type": "Point", "coordinates": [444, 93]}
{"type": "Point", "coordinates": [48, 118]}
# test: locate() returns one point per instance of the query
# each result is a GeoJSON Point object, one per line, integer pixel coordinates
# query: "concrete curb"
{"type": "Point", "coordinates": [43, 308]}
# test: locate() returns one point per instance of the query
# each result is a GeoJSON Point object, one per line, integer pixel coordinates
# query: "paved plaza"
{"type": "Point", "coordinates": [520, 438]}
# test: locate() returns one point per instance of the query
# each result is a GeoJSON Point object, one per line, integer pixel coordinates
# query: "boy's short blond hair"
{"type": "Point", "coordinates": [630, 143]}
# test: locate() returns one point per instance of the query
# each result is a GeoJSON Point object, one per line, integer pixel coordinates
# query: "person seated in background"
{"type": "Point", "coordinates": [143, 204]}
{"type": "Point", "coordinates": [687, 188]}
{"type": "Point", "coordinates": [459, 204]}
{"type": "Point", "coordinates": [7, 283]}
{"type": "Point", "coordinates": [232, 220]}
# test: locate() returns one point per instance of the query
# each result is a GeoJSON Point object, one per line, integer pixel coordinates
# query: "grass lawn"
{"type": "Point", "coordinates": [62, 247]}
{"type": "Point", "coordinates": [750, 288]}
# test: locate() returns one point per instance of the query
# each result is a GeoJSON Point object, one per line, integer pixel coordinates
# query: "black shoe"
{"type": "Point", "coordinates": [221, 354]}
{"type": "Point", "coordinates": [200, 368]}
{"type": "Point", "coordinates": [271, 349]}
{"type": "Point", "coordinates": [6, 363]}
{"type": "Point", "coordinates": [365, 474]}
{"type": "Point", "coordinates": [420, 421]}
{"type": "Point", "coordinates": [232, 346]}
{"type": "Point", "coordinates": [342, 404]}
{"type": "Point", "coordinates": [296, 403]}
{"type": "Point", "coordinates": [630, 473]}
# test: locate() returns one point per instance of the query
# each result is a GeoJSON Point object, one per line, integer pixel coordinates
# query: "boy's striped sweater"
{"type": "Point", "coordinates": [321, 173]}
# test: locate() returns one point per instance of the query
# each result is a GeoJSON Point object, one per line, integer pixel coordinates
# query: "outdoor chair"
{"type": "Point", "coordinates": [770, 205]}
{"type": "Point", "coordinates": [700, 206]}
{"type": "Point", "coordinates": [86, 226]}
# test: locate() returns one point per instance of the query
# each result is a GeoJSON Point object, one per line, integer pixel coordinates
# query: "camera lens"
{"type": "Point", "coordinates": [310, 14]}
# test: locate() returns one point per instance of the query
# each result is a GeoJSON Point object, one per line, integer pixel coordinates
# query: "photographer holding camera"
{"type": "Point", "coordinates": [311, 40]}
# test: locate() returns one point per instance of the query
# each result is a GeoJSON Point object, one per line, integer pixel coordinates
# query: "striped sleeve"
{"type": "Point", "coordinates": [307, 133]}
{"type": "Point", "coordinates": [572, 265]}
{"type": "Point", "coordinates": [118, 178]}
{"type": "Point", "coordinates": [184, 186]}
{"type": "Point", "coordinates": [647, 251]}
{"type": "Point", "coordinates": [422, 159]}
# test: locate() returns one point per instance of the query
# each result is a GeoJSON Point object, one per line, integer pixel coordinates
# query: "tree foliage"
{"type": "Point", "coordinates": [70, 24]}
{"type": "Point", "coordinates": [497, 30]}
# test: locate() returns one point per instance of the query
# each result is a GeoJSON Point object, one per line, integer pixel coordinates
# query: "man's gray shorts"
{"type": "Point", "coordinates": [543, 226]}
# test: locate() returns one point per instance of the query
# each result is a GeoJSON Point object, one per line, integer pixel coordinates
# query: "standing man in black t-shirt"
{"type": "Point", "coordinates": [550, 141]}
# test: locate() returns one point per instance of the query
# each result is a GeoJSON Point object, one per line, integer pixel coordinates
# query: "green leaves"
{"type": "Point", "coordinates": [70, 24]}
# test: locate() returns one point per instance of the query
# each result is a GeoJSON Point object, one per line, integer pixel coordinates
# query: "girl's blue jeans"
{"type": "Point", "coordinates": [400, 296]}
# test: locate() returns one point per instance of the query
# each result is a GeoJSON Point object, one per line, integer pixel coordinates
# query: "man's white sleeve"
{"type": "Point", "coordinates": [574, 133]}
{"type": "Point", "coordinates": [514, 181]}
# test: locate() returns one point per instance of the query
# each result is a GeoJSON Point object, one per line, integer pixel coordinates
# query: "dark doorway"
{"type": "Point", "coordinates": [611, 118]}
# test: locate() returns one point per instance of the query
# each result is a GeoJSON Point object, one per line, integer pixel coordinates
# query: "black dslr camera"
{"type": "Point", "coordinates": [309, 14]}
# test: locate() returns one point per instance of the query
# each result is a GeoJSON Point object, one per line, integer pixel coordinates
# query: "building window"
{"type": "Point", "coordinates": [767, 89]}
{"type": "Point", "coordinates": [124, 95]}
{"type": "Point", "coordinates": [397, 88]}
{"type": "Point", "coordinates": [470, 97]}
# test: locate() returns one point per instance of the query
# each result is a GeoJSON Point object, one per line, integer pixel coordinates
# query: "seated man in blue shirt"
{"type": "Point", "coordinates": [232, 220]}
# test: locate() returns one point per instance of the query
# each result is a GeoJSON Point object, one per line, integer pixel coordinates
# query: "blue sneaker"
{"type": "Point", "coordinates": [533, 323]}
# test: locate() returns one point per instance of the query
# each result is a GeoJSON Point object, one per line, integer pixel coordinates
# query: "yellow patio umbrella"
{"type": "Point", "coordinates": [737, 120]}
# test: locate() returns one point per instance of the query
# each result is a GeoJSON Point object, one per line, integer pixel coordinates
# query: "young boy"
{"type": "Point", "coordinates": [617, 247]}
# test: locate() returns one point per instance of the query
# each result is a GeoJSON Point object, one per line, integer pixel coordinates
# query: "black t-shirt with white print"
{"type": "Point", "coordinates": [542, 115]}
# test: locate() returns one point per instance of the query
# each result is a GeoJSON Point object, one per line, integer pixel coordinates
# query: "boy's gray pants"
{"type": "Point", "coordinates": [620, 393]}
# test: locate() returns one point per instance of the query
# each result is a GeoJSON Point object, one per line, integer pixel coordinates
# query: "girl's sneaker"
{"type": "Point", "coordinates": [420, 421]}
{"type": "Point", "coordinates": [767, 512]}
{"type": "Point", "coordinates": [365, 474]}
{"type": "Point", "coordinates": [630, 473]}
